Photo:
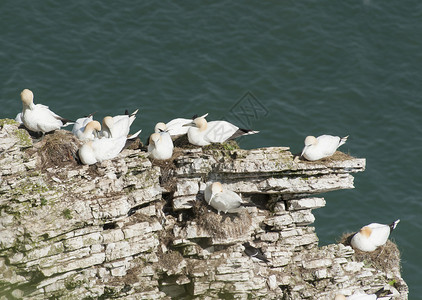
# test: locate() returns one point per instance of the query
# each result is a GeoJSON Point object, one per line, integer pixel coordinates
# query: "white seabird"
{"type": "Point", "coordinates": [159, 146]}
{"type": "Point", "coordinates": [89, 132]}
{"type": "Point", "coordinates": [99, 150]}
{"type": "Point", "coordinates": [38, 117]}
{"type": "Point", "coordinates": [222, 199]}
{"type": "Point", "coordinates": [202, 133]}
{"type": "Point", "coordinates": [162, 129]}
{"type": "Point", "coordinates": [102, 149]}
{"type": "Point", "coordinates": [79, 128]}
{"type": "Point", "coordinates": [176, 127]}
{"type": "Point", "coordinates": [118, 126]}
{"type": "Point", "coordinates": [322, 146]}
{"type": "Point", "coordinates": [372, 236]}
{"type": "Point", "coordinates": [18, 118]}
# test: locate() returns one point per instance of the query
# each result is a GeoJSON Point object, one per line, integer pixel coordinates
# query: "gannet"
{"type": "Point", "coordinates": [18, 118]}
{"type": "Point", "coordinates": [255, 253]}
{"type": "Point", "coordinates": [79, 127]}
{"type": "Point", "coordinates": [322, 146]}
{"type": "Point", "coordinates": [38, 117]}
{"type": "Point", "coordinates": [89, 131]}
{"type": "Point", "coordinates": [159, 147]}
{"type": "Point", "coordinates": [177, 126]}
{"type": "Point", "coordinates": [202, 133]}
{"type": "Point", "coordinates": [372, 236]}
{"type": "Point", "coordinates": [222, 199]}
{"type": "Point", "coordinates": [118, 125]}
{"type": "Point", "coordinates": [99, 150]}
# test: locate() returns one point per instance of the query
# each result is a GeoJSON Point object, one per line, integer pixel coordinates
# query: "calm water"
{"type": "Point", "coordinates": [336, 67]}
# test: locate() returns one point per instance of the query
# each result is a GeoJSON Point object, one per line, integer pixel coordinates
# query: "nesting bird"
{"type": "Point", "coordinates": [372, 236]}
{"type": "Point", "coordinates": [80, 128]}
{"type": "Point", "coordinates": [38, 117]}
{"type": "Point", "coordinates": [202, 133]}
{"type": "Point", "coordinates": [176, 127]}
{"type": "Point", "coordinates": [322, 146]}
{"type": "Point", "coordinates": [99, 150]}
{"type": "Point", "coordinates": [222, 199]}
{"type": "Point", "coordinates": [254, 253]}
{"type": "Point", "coordinates": [117, 126]}
{"type": "Point", "coordinates": [160, 143]}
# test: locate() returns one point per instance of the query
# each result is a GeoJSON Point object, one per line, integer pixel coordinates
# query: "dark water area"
{"type": "Point", "coordinates": [288, 69]}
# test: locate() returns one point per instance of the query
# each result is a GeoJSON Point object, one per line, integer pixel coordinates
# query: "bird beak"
{"type": "Point", "coordinates": [303, 151]}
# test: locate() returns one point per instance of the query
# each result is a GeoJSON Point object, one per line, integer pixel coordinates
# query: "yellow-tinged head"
{"type": "Point", "coordinates": [154, 138]}
{"type": "Point", "coordinates": [27, 97]}
{"type": "Point", "coordinates": [216, 187]}
{"type": "Point", "coordinates": [366, 231]}
{"type": "Point", "coordinates": [310, 140]}
{"type": "Point", "coordinates": [160, 127]}
{"type": "Point", "coordinates": [93, 125]}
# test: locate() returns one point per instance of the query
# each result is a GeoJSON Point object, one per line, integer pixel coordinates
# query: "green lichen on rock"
{"type": "Point", "coordinates": [7, 122]}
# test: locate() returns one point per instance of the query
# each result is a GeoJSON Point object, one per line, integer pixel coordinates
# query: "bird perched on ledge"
{"type": "Point", "coordinates": [372, 236]}
{"type": "Point", "coordinates": [202, 133]}
{"type": "Point", "coordinates": [255, 253]}
{"type": "Point", "coordinates": [38, 117]}
{"type": "Point", "coordinates": [322, 146]}
{"type": "Point", "coordinates": [222, 199]}
{"type": "Point", "coordinates": [117, 126]}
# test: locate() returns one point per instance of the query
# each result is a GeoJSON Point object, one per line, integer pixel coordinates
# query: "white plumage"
{"type": "Point", "coordinates": [79, 128]}
{"type": "Point", "coordinates": [176, 127]}
{"type": "Point", "coordinates": [38, 117]}
{"type": "Point", "coordinates": [202, 133]}
{"type": "Point", "coordinates": [99, 150]}
{"type": "Point", "coordinates": [118, 126]}
{"type": "Point", "coordinates": [160, 143]}
{"type": "Point", "coordinates": [18, 118]}
{"type": "Point", "coordinates": [322, 146]}
{"type": "Point", "coordinates": [222, 199]}
{"type": "Point", "coordinates": [372, 236]}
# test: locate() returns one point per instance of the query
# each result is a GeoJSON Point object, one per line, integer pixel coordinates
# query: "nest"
{"type": "Point", "coordinates": [221, 226]}
{"type": "Point", "coordinates": [384, 258]}
{"type": "Point", "coordinates": [337, 156]}
{"type": "Point", "coordinates": [58, 149]}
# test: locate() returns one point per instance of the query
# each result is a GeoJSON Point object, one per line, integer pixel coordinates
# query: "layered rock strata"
{"type": "Point", "coordinates": [135, 228]}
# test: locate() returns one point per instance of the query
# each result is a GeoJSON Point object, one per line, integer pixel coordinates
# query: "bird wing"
{"type": "Point", "coordinates": [219, 131]}
{"type": "Point", "coordinates": [380, 233]}
{"type": "Point", "coordinates": [175, 126]}
{"type": "Point", "coordinates": [328, 144]}
{"type": "Point", "coordinates": [108, 148]}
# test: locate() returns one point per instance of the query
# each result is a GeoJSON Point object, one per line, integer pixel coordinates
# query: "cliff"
{"type": "Point", "coordinates": [139, 229]}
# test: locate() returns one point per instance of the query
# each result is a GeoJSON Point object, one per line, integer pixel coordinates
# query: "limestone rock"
{"type": "Point", "coordinates": [134, 229]}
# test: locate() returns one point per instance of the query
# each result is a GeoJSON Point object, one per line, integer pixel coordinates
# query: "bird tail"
{"type": "Point", "coordinates": [394, 224]}
{"type": "Point", "coordinates": [343, 140]}
{"type": "Point", "coordinates": [134, 135]}
{"type": "Point", "coordinates": [66, 122]}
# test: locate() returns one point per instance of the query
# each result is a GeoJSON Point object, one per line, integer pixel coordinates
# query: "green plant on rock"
{"type": "Point", "coordinates": [67, 214]}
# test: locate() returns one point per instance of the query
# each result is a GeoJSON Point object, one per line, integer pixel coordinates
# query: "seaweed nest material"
{"type": "Point", "coordinates": [385, 258]}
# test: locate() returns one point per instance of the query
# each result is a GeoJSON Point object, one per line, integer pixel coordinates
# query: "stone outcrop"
{"type": "Point", "coordinates": [140, 229]}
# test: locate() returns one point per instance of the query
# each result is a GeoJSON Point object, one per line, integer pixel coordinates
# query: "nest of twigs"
{"type": "Point", "coordinates": [384, 258]}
